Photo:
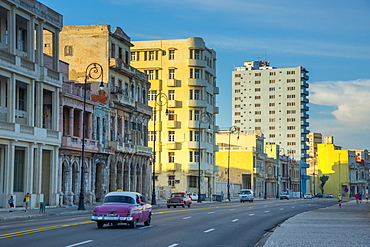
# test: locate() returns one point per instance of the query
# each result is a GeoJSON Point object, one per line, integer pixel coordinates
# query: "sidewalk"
{"type": "Point", "coordinates": [331, 226]}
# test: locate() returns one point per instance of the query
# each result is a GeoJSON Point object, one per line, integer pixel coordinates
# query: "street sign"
{"type": "Point", "coordinates": [346, 189]}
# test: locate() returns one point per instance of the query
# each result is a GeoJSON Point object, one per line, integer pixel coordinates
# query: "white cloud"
{"type": "Point", "coordinates": [351, 123]}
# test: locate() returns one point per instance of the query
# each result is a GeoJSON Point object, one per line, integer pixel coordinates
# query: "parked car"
{"type": "Point", "coordinates": [284, 195]}
{"type": "Point", "coordinates": [179, 199]}
{"type": "Point", "coordinates": [123, 207]}
{"type": "Point", "coordinates": [319, 195]}
{"type": "Point", "coordinates": [328, 195]}
{"type": "Point", "coordinates": [307, 196]}
{"type": "Point", "coordinates": [193, 196]}
{"type": "Point", "coordinates": [246, 195]}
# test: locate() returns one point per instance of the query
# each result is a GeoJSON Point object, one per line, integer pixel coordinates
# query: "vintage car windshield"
{"type": "Point", "coordinates": [119, 199]}
{"type": "Point", "coordinates": [177, 195]}
{"type": "Point", "coordinates": [245, 192]}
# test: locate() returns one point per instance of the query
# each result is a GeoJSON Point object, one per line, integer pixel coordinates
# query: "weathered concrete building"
{"type": "Point", "coordinates": [29, 102]}
{"type": "Point", "coordinates": [122, 157]}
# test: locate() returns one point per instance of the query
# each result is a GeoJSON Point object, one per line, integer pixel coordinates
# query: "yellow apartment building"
{"type": "Point", "coordinates": [183, 93]}
{"type": "Point", "coordinates": [241, 161]}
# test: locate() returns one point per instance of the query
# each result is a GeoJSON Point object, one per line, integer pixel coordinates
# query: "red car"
{"type": "Point", "coordinates": [123, 207]}
{"type": "Point", "coordinates": [179, 199]}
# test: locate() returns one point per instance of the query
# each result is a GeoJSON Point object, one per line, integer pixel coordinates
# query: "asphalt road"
{"type": "Point", "coordinates": [226, 224]}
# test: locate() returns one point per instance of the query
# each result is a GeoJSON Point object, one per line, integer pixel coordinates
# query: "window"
{"type": "Point", "coordinates": [195, 54]}
{"type": "Point", "coordinates": [272, 73]}
{"type": "Point", "coordinates": [290, 80]}
{"type": "Point", "coordinates": [290, 103]}
{"type": "Point", "coordinates": [195, 94]}
{"type": "Point", "coordinates": [151, 55]}
{"type": "Point", "coordinates": [271, 112]}
{"type": "Point", "coordinates": [237, 121]}
{"type": "Point", "coordinates": [171, 54]}
{"type": "Point", "coordinates": [237, 90]}
{"type": "Point", "coordinates": [290, 96]}
{"type": "Point", "coordinates": [193, 182]}
{"type": "Point", "coordinates": [19, 170]}
{"type": "Point", "coordinates": [257, 74]}
{"type": "Point", "coordinates": [171, 74]}
{"type": "Point", "coordinates": [290, 127]}
{"type": "Point", "coordinates": [196, 115]}
{"type": "Point", "coordinates": [22, 94]}
{"type": "Point", "coordinates": [291, 135]}
{"type": "Point", "coordinates": [238, 98]}
{"type": "Point", "coordinates": [238, 75]}
{"type": "Point", "coordinates": [272, 136]}
{"type": "Point", "coordinates": [257, 82]}
{"type": "Point", "coordinates": [237, 83]}
{"type": "Point", "coordinates": [290, 88]}
{"type": "Point", "coordinates": [291, 111]}
{"type": "Point", "coordinates": [257, 113]}
{"type": "Point", "coordinates": [151, 95]}
{"type": "Point", "coordinates": [272, 120]}
{"type": "Point", "coordinates": [257, 105]}
{"type": "Point", "coordinates": [290, 119]}
{"type": "Point", "coordinates": [171, 94]}
{"type": "Point", "coordinates": [237, 106]}
{"type": "Point", "coordinates": [237, 114]}
{"type": "Point", "coordinates": [171, 115]}
{"type": "Point", "coordinates": [271, 89]}
{"type": "Point", "coordinates": [257, 128]}
{"type": "Point", "coordinates": [272, 81]}
{"type": "Point", "coordinates": [171, 157]}
{"type": "Point", "coordinates": [194, 156]}
{"type": "Point", "coordinates": [257, 89]}
{"type": "Point", "coordinates": [113, 51]}
{"type": "Point", "coordinates": [271, 127]}
{"type": "Point", "coordinates": [290, 72]}
{"type": "Point", "coordinates": [271, 104]}
{"type": "Point", "coordinates": [68, 50]}
{"type": "Point", "coordinates": [171, 136]}
{"type": "Point", "coordinates": [272, 97]}
{"type": "Point", "coordinates": [257, 97]}
{"type": "Point", "coordinates": [133, 56]}
{"type": "Point", "coordinates": [291, 144]}
{"type": "Point", "coordinates": [257, 120]}
{"type": "Point", "coordinates": [171, 180]}
{"type": "Point", "coordinates": [120, 52]}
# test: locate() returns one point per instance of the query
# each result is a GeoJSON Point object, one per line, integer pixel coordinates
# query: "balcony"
{"type": "Point", "coordinates": [197, 63]}
{"type": "Point", "coordinates": [304, 115]}
{"type": "Point", "coordinates": [195, 125]}
{"type": "Point", "coordinates": [144, 150]}
{"type": "Point", "coordinates": [193, 166]}
{"type": "Point", "coordinates": [122, 147]}
{"type": "Point", "coordinates": [197, 103]}
{"type": "Point", "coordinates": [304, 123]}
{"type": "Point", "coordinates": [216, 110]}
{"type": "Point", "coordinates": [173, 166]}
{"type": "Point", "coordinates": [171, 83]}
{"type": "Point", "coordinates": [142, 108]}
{"type": "Point", "coordinates": [172, 124]}
{"type": "Point", "coordinates": [172, 103]}
{"type": "Point", "coordinates": [74, 142]}
{"type": "Point", "coordinates": [304, 92]}
{"type": "Point", "coordinates": [197, 82]}
{"type": "Point", "coordinates": [304, 107]}
{"type": "Point", "coordinates": [118, 64]}
{"type": "Point", "coordinates": [216, 90]}
{"type": "Point", "coordinates": [123, 100]}
{"type": "Point", "coordinates": [172, 145]}
{"type": "Point", "coordinates": [194, 145]}
{"type": "Point", "coordinates": [304, 99]}
{"type": "Point", "coordinates": [158, 168]}
{"type": "Point", "coordinates": [304, 84]}
{"type": "Point", "coordinates": [304, 76]}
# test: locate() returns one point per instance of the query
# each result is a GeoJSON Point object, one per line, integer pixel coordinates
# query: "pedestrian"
{"type": "Point", "coordinates": [11, 203]}
{"type": "Point", "coordinates": [360, 197]}
{"type": "Point", "coordinates": [367, 198]}
{"type": "Point", "coordinates": [340, 200]}
{"type": "Point", "coordinates": [103, 196]}
{"type": "Point", "coordinates": [357, 197]}
{"type": "Point", "coordinates": [27, 201]}
{"type": "Point", "coordinates": [222, 195]}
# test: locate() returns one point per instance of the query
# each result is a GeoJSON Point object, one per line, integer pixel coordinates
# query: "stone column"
{"type": "Point", "coordinates": [71, 122]}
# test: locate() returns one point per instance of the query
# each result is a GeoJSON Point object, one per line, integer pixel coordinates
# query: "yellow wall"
{"type": "Point", "coordinates": [332, 163]}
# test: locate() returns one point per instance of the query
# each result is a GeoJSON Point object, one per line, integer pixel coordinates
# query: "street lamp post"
{"type": "Point", "coordinates": [231, 130]}
{"type": "Point", "coordinates": [93, 71]}
{"type": "Point", "coordinates": [203, 118]}
{"type": "Point", "coordinates": [160, 100]}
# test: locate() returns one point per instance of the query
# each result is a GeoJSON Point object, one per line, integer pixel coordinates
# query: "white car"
{"type": "Point", "coordinates": [307, 196]}
{"type": "Point", "coordinates": [193, 196]}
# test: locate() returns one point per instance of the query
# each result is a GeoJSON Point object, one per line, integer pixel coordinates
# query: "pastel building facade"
{"type": "Point", "coordinates": [30, 82]}
{"type": "Point", "coordinates": [273, 101]}
{"type": "Point", "coordinates": [119, 156]}
{"type": "Point", "coordinates": [183, 93]}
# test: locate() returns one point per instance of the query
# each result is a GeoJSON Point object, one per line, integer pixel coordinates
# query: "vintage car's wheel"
{"type": "Point", "coordinates": [133, 224]}
{"type": "Point", "coordinates": [100, 224]}
{"type": "Point", "coordinates": [147, 222]}
{"type": "Point", "coordinates": [189, 205]}
{"type": "Point", "coordinates": [168, 206]}
{"type": "Point", "coordinates": [183, 205]}
{"type": "Point", "coordinates": [174, 206]}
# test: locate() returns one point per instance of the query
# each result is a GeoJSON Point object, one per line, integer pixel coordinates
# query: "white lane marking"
{"type": "Point", "coordinates": [144, 227]}
{"type": "Point", "coordinates": [85, 242]}
{"type": "Point", "coordinates": [210, 212]}
{"type": "Point", "coordinates": [173, 245]}
{"type": "Point", "coordinates": [235, 220]}
{"type": "Point", "coordinates": [293, 207]}
{"type": "Point", "coordinates": [209, 230]}
{"type": "Point", "coordinates": [266, 206]}
{"type": "Point", "coordinates": [281, 208]}
{"type": "Point", "coordinates": [185, 218]}
{"type": "Point", "coordinates": [267, 211]}
{"type": "Point", "coordinates": [251, 214]}
{"type": "Point", "coordinates": [232, 209]}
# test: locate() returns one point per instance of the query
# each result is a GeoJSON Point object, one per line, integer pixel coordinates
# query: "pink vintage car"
{"type": "Point", "coordinates": [122, 207]}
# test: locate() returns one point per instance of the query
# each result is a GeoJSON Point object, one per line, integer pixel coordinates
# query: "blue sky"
{"type": "Point", "coordinates": [330, 38]}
